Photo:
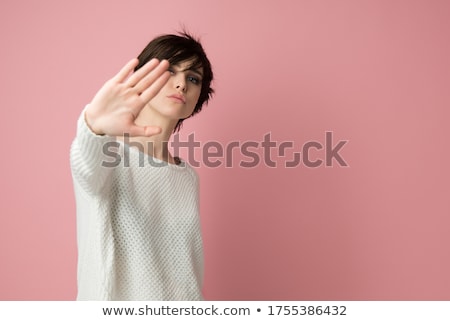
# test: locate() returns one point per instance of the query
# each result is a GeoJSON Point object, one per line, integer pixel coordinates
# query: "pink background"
{"type": "Point", "coordinates": [375, 73]}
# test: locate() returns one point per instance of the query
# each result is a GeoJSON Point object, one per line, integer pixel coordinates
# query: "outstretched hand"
{"type": "Point", "coordinates": [116, 105]}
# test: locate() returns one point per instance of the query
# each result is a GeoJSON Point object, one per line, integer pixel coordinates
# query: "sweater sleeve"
{"type": "Point", "coordinates": [90, 157]}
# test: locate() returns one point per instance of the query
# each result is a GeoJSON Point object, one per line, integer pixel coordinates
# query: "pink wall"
{"type": "Point", "coordinates": [375, 73]}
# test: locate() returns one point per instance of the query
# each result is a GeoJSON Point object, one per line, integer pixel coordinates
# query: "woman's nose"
{"type": "Point", "coordinates": [180, 83]}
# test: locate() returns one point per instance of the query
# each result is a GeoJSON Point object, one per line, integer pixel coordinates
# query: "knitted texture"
{"type": "Point", "coordinates": [138, 227]}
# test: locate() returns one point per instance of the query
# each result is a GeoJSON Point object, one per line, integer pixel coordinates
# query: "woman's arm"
{"type": "Point", "coordinates": [112, 113]}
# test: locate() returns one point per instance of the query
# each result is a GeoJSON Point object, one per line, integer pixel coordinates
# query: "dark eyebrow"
{"type": "Point", "coordinates": [196, 70]}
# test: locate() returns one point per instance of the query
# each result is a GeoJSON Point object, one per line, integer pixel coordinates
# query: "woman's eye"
{"type": "Point", "coordinates": [193, 80]}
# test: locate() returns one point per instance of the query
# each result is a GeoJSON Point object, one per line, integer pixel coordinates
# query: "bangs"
{"type": "Point", "coordinates": [186, 56]}
{"type": "Point", "coordinates": [177, 50]}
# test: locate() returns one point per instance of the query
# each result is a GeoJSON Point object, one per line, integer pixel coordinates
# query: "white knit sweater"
{"type": "Point", "coordinates": [138, 228]}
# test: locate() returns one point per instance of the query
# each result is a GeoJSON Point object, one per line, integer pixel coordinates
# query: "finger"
{"type": "Point", "coordinates": [126, 70]}
{"type": "Point", "coordinates": [152, 76]}
{"type": "Point", "coordinates": [135, 130]}
{"type": "Point", "coordinates": [152, 130]}
{"type": "Point", "coordinates": [152, 90]}
{"type": "Point", "coordinates": [142, 72]}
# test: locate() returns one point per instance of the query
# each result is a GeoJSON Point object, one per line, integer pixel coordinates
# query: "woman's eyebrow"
{"type": "Point", "coordinates": [196, 70]}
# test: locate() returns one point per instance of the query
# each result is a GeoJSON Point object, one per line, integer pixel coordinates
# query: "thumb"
{"type": "Point", "coordinates": [152, 130]}
{"type": "Point", "coordinates": [147, 131]}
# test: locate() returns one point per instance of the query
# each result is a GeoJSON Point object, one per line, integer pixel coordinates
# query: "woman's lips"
{"type": "Point", "coordinates": [177, 97]}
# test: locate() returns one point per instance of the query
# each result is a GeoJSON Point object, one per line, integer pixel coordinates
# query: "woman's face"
{"type": "Point", "coordinates": [179, 96]}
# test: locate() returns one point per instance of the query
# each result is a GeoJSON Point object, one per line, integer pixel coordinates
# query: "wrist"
{"type": "Point", "coordinates": [90, 124]}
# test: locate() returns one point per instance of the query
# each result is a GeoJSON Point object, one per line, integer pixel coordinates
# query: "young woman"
{"type": "Point", "coordinates": [138, 227]}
